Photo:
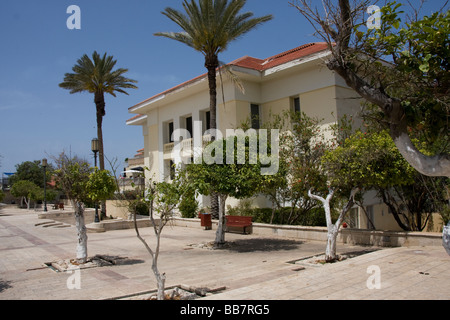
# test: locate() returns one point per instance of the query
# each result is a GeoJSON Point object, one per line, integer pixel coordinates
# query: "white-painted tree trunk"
{"type": "Point", "coordinates": [436, 166]}
{"type": "Point", "coordinates": [160, 279]}
{"type": "Point", "coordinates": [81, 231]}
{"type": "Point", "coordinates": [331, 251]}
{"type": "Point", "coordinates": [220, 233]}
{"type": "Point", "coordinates": [446, 238]}
{"type": "Point", "coordinates": [157, 227]}
{"type": "Point", "coordinates": [27, 202]}
{"type": "Point", "coordinates": [333, 229]}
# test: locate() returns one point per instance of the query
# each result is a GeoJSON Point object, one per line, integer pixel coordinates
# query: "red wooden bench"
{"type": "Point", "coordinates": [238, 221]}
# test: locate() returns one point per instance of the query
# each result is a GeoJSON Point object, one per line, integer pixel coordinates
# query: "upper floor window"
{"type": "Point", "coordinates": [255, 116]}
{"type": "Point", "coordinates": [208, 120]}
{"type": "Point", "coordinates": [171, 129]}
{"type": "Point", "coordinates": [296, 105]}
{"type": "Point", "coordinates": [189, 126]}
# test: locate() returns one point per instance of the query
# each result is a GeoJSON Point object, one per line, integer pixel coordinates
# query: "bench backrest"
{"type": "Point", "coordinates": [238, 219]}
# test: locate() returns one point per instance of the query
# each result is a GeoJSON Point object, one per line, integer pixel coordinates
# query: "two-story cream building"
{"type": "Point", "coordinates": [293, 80]}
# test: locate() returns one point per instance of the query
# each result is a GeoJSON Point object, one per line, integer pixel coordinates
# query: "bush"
{"type": "Point", "coordinates": [142, 208]}
{"type": "Point", "coordinates": [188, 205]}
{"type": "Point", "coordinates": [138, 206]}
{"type": "Point", "coordinates": [314, 218]}
{"type": "Point", "coordinates": [445, 214]}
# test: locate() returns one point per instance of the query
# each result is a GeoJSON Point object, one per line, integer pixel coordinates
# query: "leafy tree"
{"type": "Point", "coordinates": [163, 198]}
{"type": "Point", "coordinates": [226, 178]}
{"type": "Point", "coordinates": [27, 190]}
{"type": "Point", "coordinates": [39, 195]}
{"type": "Point", "coordinates": [2, 195]}
{"type": "Point", "coordinates": [32, 171]}
{"type": "Point", "coordinates": [209, 26]}
{"type": "Point", "coordinates": [100, 186]}
{"type": "Point", "coordinates": [333, 228]}
{"type": "Point", "coordinates": [302, 144]}
{"type": "Point", "coordinates": [367, 159]}
{"type": "Point", "coordinates": [411, 91]}
{"type": "Point", "coordinates": [82, 183]}
{"type": "Point", "coordinates": [98, 77]}
{"type": "Point", "coordinates": [72, 177]}
{"type": "Point", "coordinates": [188, 205]}
{"type": "Point", "coordinates": [370, 160]}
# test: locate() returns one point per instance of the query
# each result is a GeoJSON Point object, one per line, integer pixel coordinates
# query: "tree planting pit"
{"type": "Point", "coordinates": [319, 260]}
{"type": "Point", "coordinates": [65, 265]}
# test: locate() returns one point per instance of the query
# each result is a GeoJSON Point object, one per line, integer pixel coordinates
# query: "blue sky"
{"type": "Point", "coordinates": [38, 119]}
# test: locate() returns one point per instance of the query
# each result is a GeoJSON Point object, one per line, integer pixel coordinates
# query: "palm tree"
{"type": "Point", "coordinates": [209, 27]}
{"type": "Point", "coordinates": [97, 76]}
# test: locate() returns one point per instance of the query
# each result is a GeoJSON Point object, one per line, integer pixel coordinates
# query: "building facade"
{"type": "Point", "coordinates": [293, 80]}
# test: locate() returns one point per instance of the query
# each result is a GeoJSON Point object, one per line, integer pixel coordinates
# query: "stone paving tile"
{"type": "Point", "coordinates": [400, 281]}
{"type": "Point", "coordinates": [254, 267]}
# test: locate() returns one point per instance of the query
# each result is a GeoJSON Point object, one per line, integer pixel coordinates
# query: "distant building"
{"type": "Point", "coordinates": [5, 185]}
{"type": "Point", "coordinates": [132, 176]}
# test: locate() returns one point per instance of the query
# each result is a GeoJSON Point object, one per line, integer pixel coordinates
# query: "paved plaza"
{"type": "Point", "coordinates": [250, 268]}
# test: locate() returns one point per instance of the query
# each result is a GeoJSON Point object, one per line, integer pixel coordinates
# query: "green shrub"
{"type": "Point", "coordinates": [138, 206]}
{"type": "Point", "coordinates": [142, 208]}
{"type": "Point", "coordinates": [314, 218]}
{"type": "Point", "coordinates": [445, 214]}
{"type": "Point", "coordinates": [188, 205]}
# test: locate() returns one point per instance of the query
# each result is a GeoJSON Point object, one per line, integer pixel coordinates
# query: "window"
{"type": "Point", "coordinates": [208, 120]}
{"type": "Point", "coordinates": [189, 125]}
{"type": "Point", "coordinates": [255, 116]}
{"type": "Point", "coordinates": [205, 117]}
{"type": "Point", "coordinates": [170, 125]}
{"type": "Point", "coordinates": [296, 105]}
{"type": "Point", "coordinates": [169, 170]}
{"type": "Point", "coordinates": [353, 218]}
{"type": "Point", "coordinates": [370, 218]}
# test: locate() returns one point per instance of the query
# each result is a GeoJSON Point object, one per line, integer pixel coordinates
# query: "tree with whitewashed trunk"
{"type": "Point", "coordinates": [163, 198]}
{"type": "Point", "coordinates": [26, 190]}
{"type": "Point", "coordinates": [230, 167]}
{"type": "Point", "coordinates": [400, 66]}
{"type": "Point", "coordinates": [333, 228]}
{"type": "Point", "coordinates": [81, 184]}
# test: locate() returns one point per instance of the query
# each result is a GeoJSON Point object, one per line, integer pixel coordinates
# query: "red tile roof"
{"type": "Point", "coordinates": [135, 117]}
{"type": "Point", "coordinates": [279, 59]}
{"type": "Point", "coordinates": [256, 64]}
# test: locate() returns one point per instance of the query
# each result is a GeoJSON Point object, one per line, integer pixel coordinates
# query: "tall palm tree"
{"type": "Point", "coordinates": [97, 76]}
{"type": "Point", "coordinates": [209, 27]}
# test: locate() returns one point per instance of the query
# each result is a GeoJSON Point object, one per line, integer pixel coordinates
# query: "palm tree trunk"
{"type": "Point", "coordinates": [212, 63]}
{"type": "Point", "coordinates": [100, 106]}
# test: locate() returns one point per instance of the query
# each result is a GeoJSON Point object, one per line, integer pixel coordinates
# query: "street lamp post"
{"type": "Point", "coordinates": [95, 149]}
{"type": "Point", "coordinates": [44, 165]}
